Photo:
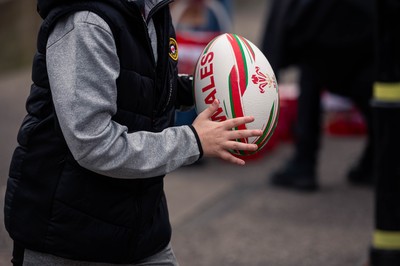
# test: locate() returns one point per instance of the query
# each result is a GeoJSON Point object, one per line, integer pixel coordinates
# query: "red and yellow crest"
{"type": "Point", "coordinates": [263, 80]}
{"type": "Point", "coordinates": [173, 49]}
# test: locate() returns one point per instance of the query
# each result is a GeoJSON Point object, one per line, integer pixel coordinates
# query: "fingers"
{"type": "Point", "coordinates": [235, 122]}
{"type": "Point", "coordinates": [232, 159]}
{"type": "Point", "coordinates": [219, 138]}
{"type": "Point", "coordinates": [241, 134]}
{"type": "Point", "coordinates": [240, 146]}
{"type": "Point", "coordinates": [230, 123]}
{"type": "Point", "coordinates": [211, 109]}
{"type": "Point", "coordinates": [234, 145]}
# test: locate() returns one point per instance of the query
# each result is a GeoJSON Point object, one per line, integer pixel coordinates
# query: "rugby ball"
{"type": "Point", "coordinates": [234, 71]}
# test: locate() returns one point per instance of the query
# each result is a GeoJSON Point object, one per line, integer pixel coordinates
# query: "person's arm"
{"type": "Point", "coordinates": [185, 95]}
{"type": "Point", "coordinates": [83, 67]}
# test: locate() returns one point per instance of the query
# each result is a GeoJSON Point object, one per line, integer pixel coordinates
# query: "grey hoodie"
{"type": "Point", "coordinates": [83, 66]}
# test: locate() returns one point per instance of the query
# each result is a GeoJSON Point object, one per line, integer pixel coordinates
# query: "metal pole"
{"type": "Point", "coordinates": [385, 249]}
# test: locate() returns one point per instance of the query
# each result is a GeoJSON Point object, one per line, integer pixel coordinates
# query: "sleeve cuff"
{"type": "Point", "coordinates": [198, 141]}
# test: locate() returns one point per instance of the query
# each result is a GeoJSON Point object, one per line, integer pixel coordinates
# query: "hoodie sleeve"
{"type": "Point", "coordinates": [83, 66]}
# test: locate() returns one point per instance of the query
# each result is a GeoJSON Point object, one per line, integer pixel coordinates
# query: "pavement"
{"type": "Point", "coordinates": [228, 215]}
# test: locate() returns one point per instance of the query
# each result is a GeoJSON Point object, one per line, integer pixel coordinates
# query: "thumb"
{"type": "Point", "coordinates": [211, 109]}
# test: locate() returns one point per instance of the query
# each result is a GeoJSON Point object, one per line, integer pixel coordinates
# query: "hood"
{"type": "Point", "coordinates": [45, 6]}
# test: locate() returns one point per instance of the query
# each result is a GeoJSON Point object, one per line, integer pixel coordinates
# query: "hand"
{"type": "Point", "coordinates": [217, 138]}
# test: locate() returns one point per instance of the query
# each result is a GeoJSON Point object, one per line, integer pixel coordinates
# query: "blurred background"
{"type": "Point", "coordinates": [223, 214]}
{"type": "Point", "coordinates": [19, 25]}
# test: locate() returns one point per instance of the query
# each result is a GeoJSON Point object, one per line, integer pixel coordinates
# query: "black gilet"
{"type": "Point", "coordinates": [55, 206]}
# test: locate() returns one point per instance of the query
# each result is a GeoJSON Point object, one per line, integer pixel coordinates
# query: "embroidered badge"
{"type": "Point", "coordinates": [173, 49]}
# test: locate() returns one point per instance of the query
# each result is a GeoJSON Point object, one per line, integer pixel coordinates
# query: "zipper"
{"type": "Point", "coordinates": [157, 7]}
{"type": "Point", "coordinates": [154, 10]}
{"type": "Point", "coordinates": [133, 7]}
{"type": "Point", "coordinates": [146, 21]}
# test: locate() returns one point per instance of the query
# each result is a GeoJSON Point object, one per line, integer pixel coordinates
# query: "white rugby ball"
{"type": "Point", "coordinates": [234, 71]}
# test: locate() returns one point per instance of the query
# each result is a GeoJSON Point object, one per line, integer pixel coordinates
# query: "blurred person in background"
{"type": "Point", "coordinates": [202, 15]}
{"type": "Point", "coordinates": [86, 180]}
{"type": "Point", "coordinates": [331, 44]}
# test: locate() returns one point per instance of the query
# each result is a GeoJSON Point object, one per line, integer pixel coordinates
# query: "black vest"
{"type": "Point", "coordinates": [55, 206]}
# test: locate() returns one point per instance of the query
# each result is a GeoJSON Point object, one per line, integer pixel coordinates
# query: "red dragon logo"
{"type": "Point", "coordinates": [262, 80]}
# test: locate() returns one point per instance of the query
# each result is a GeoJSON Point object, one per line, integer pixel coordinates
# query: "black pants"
{"type": "Point", "coordinates": [309, 122]}
{"type": "Point", "coordinates": [18, 255]}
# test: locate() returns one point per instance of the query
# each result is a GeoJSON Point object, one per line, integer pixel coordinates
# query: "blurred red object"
{"type": "Point", "coordinates": [342, 118]}
{"type": "Point", "coordinates": [190, 45]}
{"type": "Point", "coordinates": [345, 123]}
{"type": "Point", "coordinates": [288, 94]}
